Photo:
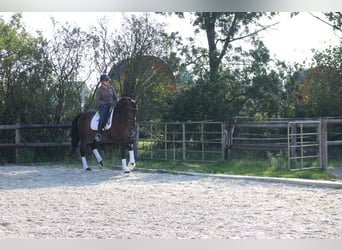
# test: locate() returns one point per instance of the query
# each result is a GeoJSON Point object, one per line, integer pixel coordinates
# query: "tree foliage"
{"type": "Point", "coordinates": [231, 78]}
{"type": "Point", "coordinates": [24, 75]}
{"type": "Point", "coordinates": [323, 84]}
{"type": "Point", "coordinates": [222, 29]}
{"type": "Point", "coordinates": [137, 53]}
{"type": "Point", "coordinates": [334, 19]}
{"type": "Point", "coordinates": [68, 58]}
{"type": "Point", "coordinates": [42, 80]}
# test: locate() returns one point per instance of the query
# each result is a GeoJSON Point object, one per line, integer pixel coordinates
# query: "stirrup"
{"type": "Point", "coordinates": [98, 137]}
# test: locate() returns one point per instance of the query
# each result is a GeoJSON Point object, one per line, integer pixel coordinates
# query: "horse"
{"type": "Point", "coordinates": [122, 124]}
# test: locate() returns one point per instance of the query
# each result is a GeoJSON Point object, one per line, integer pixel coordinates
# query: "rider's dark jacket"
{"type": "Point", "coordinates": [105, 97]}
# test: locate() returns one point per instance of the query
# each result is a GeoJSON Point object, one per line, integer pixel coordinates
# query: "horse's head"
{"type": "Point", "coordinates": [127, 105]}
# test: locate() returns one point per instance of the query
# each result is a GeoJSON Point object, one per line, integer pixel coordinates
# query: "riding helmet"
{"type": "Point", "coordinates": [104, 77]}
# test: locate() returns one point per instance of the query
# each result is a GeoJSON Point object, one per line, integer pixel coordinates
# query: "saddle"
{"type": "Point", "coordinates": [95, 120]}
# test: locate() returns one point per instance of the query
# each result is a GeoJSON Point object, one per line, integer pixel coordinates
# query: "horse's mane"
{"type": "Point", "coordinates": [125, 98]}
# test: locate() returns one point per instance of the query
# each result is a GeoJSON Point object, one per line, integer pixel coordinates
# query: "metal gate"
{"type": "Point", "coordinates": [181, 141]}
{"type": "Point", "coordinates": [304, 145]}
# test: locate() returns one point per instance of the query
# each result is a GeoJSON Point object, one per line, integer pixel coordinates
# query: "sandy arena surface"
{"type": "Point", "coordinates": [65, 203]}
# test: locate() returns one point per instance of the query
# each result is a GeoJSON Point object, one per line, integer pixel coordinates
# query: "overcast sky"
{"type": "Point", "coordinates": [292, 40]}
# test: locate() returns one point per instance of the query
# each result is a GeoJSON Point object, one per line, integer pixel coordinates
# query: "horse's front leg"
{"type": "Point", "coordinates": [125, 169]}
{"type": "Point", "coordinates": [93, 146]}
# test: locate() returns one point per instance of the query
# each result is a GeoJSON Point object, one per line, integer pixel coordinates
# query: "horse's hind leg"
{"type": "Point", "coordinates": [93, 146]}
{"type": "Point", "coordinates": [84, 160]}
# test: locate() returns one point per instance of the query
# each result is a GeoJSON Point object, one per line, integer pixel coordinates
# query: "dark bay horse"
{"type": "Point", "coordinates": [123, 121]}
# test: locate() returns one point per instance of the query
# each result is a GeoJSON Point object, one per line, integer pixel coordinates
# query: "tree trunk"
{"type": "Point", "coordinates": [209, 22]}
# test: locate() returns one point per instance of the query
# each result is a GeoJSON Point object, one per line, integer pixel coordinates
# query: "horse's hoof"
{"type": "Point", "coordinates": [131, 165]}
{"type": "Point", "coordinates": [126, 170]}
{"type": "Point", "coordinates": [88, 169]}
{"type": "Point", "coordinates": [100, 164]}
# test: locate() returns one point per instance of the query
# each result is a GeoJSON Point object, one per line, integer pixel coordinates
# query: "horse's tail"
{"type": "Point", "coordinates": [74, 134]}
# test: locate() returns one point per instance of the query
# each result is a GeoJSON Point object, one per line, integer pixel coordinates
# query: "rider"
{"type": "Point", "coordinates": [105, 98]}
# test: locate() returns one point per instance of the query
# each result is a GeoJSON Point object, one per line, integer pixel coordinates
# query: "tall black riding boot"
{"type": "Point", "coordinates": [98, 136]}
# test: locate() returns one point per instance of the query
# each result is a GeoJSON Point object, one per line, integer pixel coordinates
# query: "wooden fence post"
{"type": "Point", "coordinates": [17, 141]}
{"type": "Point", "coordinates": [223, 140]}
{"type": "Point", "coordinates": [135, 142]}
{"type": "Point", "coordinates": [226, 138]}
{"type": "Point", "coordinates": [324, 144]}
{"type": "Point", "coordinates": [151, 138]}
{"type": "Point", "coordinates": [183, 142]}
{"type": "Point", "coordinates": [202, 141]}
{"type": "Point", "coordinates": [293, 140]}
{"type": "Point", "coordinates": [165, 141]}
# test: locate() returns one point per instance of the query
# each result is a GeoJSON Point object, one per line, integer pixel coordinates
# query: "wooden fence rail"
{"type": "Point", "coordinates": [17, 144]}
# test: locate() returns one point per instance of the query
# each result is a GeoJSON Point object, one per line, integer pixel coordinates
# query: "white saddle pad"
{"type": "Point", "coordinates": [94, 123]}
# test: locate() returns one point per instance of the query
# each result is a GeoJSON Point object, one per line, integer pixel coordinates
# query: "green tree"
{"type": "Point", "coordinates": [202, 101]}
{"type": "Point", "coordinates": [263, 85]}
{"type": "Point", "coordinates": [68, 55]}
{"type": "Point", "coordinates": [239, 76]}
{"type": "Point", "coordinates": [222, 30]}
{"type": "Point", "coordinates": [292, 101]}
{"type": "Point", "coordinates": [334, 19]}
{"type": "Point", "coordinates": [323, 84]}
{"type": "Point", "coordinates": [323, 92]}
{"type": "Point", "coordinates": [138, 54]}
{"type": "Point", "coordinates": [248, 88]}
{"type": "Point", "coordinates": [316, 92]}
{"type": "Point", "coordinates": [24, 75]}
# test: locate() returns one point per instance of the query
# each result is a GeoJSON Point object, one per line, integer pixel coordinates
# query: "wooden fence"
{"type": "Point", "coordinates": [18, 142]}
{"type": "Point", "coordinates": [203, 141]}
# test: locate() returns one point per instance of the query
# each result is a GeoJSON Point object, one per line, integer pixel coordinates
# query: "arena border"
{"type": "Point", "coordinates": [294, 181]}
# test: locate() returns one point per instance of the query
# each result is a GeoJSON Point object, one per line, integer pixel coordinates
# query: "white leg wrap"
{"type": "Point", "coordinates": [124, 166]}
{"type": "Point", "coordinates": [123, 163]}
{"type": "Point", "coordinates": [84, 162]}
{"type": "Point", "coordinates": [131, 156]}
{"type": "Point", "coordinates": [131, 164]}
{"type": "Point", "coordinates": [97, 155]}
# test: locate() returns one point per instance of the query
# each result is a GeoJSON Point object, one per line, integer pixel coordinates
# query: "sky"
{"type": "Point", "coordinates": [292, 40]}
